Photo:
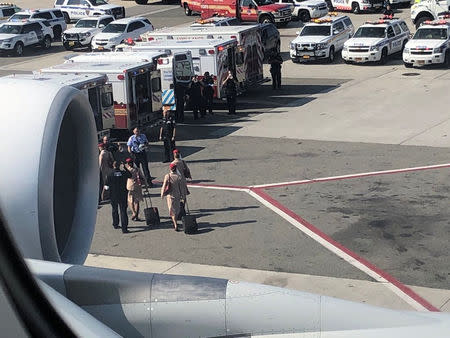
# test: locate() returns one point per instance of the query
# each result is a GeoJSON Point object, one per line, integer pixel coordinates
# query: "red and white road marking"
{"type": "Point", "coordinates": [327, 242]}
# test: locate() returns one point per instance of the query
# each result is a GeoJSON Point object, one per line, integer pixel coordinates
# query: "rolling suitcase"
{"type": "Point", "coordinates": [151, 214]}
{"type": "Point", "coordinates": [190, 225]}
{"type": "Point", "coordinates": [182, 212]}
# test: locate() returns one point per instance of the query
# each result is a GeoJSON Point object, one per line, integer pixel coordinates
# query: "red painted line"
{"type": "Point", "coordinates": [218, 186]}
{"type": "Point", "coordinates": [260, 192]}
{"type": "Point", "coordinates": [347, 177]}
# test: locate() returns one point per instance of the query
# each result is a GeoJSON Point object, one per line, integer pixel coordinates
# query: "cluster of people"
{"type": "Point", "coordinates": [200, 94]}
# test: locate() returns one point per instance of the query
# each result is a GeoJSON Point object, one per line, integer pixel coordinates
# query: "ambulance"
{"type": "Point", "coordinates": [249, 54]}
{"type": "Point", "coordinates": [214, 56]}
{"type": "Point", "coordinates": [176, 67]}
{"type": "Point", "coordinates": [93, 86]}
{"type": "Point", "coordinates": [136, 89]}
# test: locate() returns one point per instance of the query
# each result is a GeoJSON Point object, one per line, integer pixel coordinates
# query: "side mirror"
{"type": "Point", "coordinates": [297, 32]}
{"type": "Point", "coordinates": [102, 25]}
{"type": "Point", "coordinates": [335, 32]}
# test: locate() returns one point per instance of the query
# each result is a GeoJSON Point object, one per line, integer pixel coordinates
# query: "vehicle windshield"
{"type": "Point", "coordinates": [263, 2]}
{"type": "Point", "coordinates": [431, 34]}
{"type": "Point", "coordinates": [370, 32]}
{"type": "Point", "coordinates": [18, 17]}
{"type": "Point", "coordinates": [98, 2]}
{"type": "Point", "coordinates": [86, 24]}
{"type": "Point", "coordinates": [115, 28]}
{"type": "Point", "coordinates": [10, 29]}
{"type": "Point", "coordinates": [316, 30]}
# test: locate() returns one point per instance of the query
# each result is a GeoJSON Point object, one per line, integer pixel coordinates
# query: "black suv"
{"type": "Point", "coordinates": [270, 38]}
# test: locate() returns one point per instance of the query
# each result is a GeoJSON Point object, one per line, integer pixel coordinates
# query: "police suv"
{"type": "Point", "coordinates": [306, 10]}
{"type": "Point", "coordinates": [16, 35]}
{"type": "Point", "coordinates": [430, 44]}
{"type": "Point", "coordinates": [80, 36]}
{"type": "Point", "coordinates": [53, 16]}
{"type": "Point", "coordinates": [7, 10]}
{"type": "Point", "coordinates": [78, 9]}
{"type": "Point", "coordinates": [375, 40]}
{"type": "Point", "coordinates": [321, 38]}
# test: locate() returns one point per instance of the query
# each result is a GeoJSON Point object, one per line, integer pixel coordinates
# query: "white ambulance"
{"type": "Point", "coordinates": [357, 6]}
{"type": "Point", "coordinates": [249, 52]}
{"type": "Point", "coordinates": [214, 56]}
{"type": "Point", "coordinates": [430, 45]}
{"type": "Point", "coordinates": [93, 86]}
{"type": "Point", "coordinates": [136, 89]}
{"type": "Point", "coordinates": [176, 67]}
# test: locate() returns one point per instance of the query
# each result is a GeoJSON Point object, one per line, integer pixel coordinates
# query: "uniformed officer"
{"type": "Point", "coordinates": [167, 133]}
{"type": "Point", "coordinates": [180, 92]}
{"type": "Point", "coordinates": [116, 183]}
{"type": "Point", "coordinates": [388, 11]}
{"type": "Point", "coordinates": [231, 92]}
{"type": "Point", "coordinates": [275, 61]}
{"type": "Point", "coordinates": [195, 96]}
{"type": "Point", "coordinates": [208, 92]}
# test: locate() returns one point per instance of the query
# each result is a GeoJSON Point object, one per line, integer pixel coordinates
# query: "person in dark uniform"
{"type": "Point", "coordinates": [208, 92]}
{"type": "Point", "coordinates": [167, 133]}
{"type": "Point", "coordinates": [116, 183]}
{"type": "Point", "coordinates": [195, 96]}
{"type": "Point", "coordinates": [388, 11]}
{"type": "Point", "coordinates": [275, 61]}
{"type": "Point", "coordinates": [231, 93]}
{"type": "Point", "coordinates": [180, 92]}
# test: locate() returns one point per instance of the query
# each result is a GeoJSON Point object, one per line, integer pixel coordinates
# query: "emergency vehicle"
{"type": "Point", "coordinates": [7, 10]}
{"type": "Point", "coordinates": [357, 6]}
{"type": "Point", "coordinates": [79, 9]}
{"type": "Point", "coordinates": [214, 56]}
{"type": "Point", "coordinates": [305, 10]}
{"type": "Point", "coordinates": [245, 10]}
{"type": "Point", "coordinates": [84, 31]}
{"type": "Point", "coordinates": [93, 86]}
{"type": "Point", "coordinates": [249, 52]}
{"type": "Point", "coordinates": [428, 10]}
{"type": "Point", "coordinates": [136, 89]}
{"type": "Point", "coordinates": [430, 44]}
{"type": "Point", "coordinates": [376, 40]}
{"type": "Point", "coordinates": [176, 67]}
{"type": "Point", "coordinates": [321, 38]}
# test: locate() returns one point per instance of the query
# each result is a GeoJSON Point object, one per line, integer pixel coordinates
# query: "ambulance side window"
{"type": "Point", "coordinates": [107, 100]}
{"type": "Point", "coordinates": [156, 84]}
{"type": "Point", "coordinates": [246, 3]}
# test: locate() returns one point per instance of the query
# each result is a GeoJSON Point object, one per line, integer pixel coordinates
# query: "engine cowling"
{"type": "Point", "coordinates": [49, 172]}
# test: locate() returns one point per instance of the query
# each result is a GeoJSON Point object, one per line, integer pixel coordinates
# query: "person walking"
{"type": "Point", "coordinates": [180, 93]}
{"type": "Point", "coordinates": [167, 133]}
{"type": "Point", "coordinates": [116, 183]}
{"type": "Point", "coordinates": [105, 164]}
{"type": "Point", "coordinates": [134, 187]}
{"type": "Point", "coordinates": [231, 92]}
{"type": "Point", "coordinates": [195, 96]}
{"type": "Point", "coordinates": [175, 190]}
{"type": "Point", "coordinates": [137, 144]}
{"type": "Point", "coordinates": [208, 92]}
{"type": "Point", "coordinates": [275, 62]}
{"type": "Point", "coordinates": [182, 167]}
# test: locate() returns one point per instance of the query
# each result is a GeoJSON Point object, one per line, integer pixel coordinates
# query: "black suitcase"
{"type": "Point", "coordinates": [151, 214]}
{"type": "Point", "coordinates": [190, 225]}
{"type": "Point", "coordinates": [182, 212]}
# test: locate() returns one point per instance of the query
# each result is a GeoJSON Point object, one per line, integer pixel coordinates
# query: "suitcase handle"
{"type": "Point", "coordinates": [145, 198]}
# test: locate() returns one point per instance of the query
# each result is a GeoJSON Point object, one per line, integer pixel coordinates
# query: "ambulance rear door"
{"type": "Point", "coordinates": [155, 78]}
{"type": "Point", "coordinates": [107, 104]}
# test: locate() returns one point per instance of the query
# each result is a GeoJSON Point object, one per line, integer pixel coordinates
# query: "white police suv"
{"type": "Point", "coordinates": [53, 16]}
{"type": "Point", "coordinates": [16, 35]}
{"type": "Point", "coordinates": [430, 44]}
{"type": "Point", "coordinates": [321, 38]}
{"type": "Point", "coordinates": [306, 10]}
{"type": "Point", "coordinates": [81, 35]}
{"type": "Point", "coordinates": [120, 30]}
{"type": "Point", "coordinates": [376, 40]}
{"type": "Point", "coordinates": [78, 9]}
{"type": "Point", "coordinates": [7, 10]}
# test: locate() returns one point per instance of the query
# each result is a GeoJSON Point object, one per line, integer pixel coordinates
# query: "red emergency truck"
{"type": "Point", "coordinates": [261, 11]}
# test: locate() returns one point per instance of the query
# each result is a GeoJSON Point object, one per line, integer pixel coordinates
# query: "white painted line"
{"type": "Point", "coordinates": [158, 11]}
{"type": "Point", "coordinates": [371, 173]}
{"type": "Point", "coordinates": [340, 253]}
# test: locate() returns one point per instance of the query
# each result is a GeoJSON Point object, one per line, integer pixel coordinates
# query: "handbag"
{"type": "Point", "coordinates": [187, 172]}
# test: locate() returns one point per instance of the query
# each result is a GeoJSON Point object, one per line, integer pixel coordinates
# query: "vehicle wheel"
{"type": "Point", "coordinates": [141, 2]}
{"type": "Point", "coordinates": [408, 65]}
{"type": "Point", "coordinates": [331, 56]}
{"type": "Point", "coordinates": [66, 17]}
{"type": "Point", "coordinates": [383, 58]}
{"type": "Point", "coordinates": [304, 16]}
{"type": "Point", "coordinates": [347, 62]}
{"type": "Point", "coordinates": [295, 61]}
{"type": "Point", "coordinates": [47, 43]}
{"type": "Point", "coordinates": [355, 8]}
{"type": "Point", "coordinates": [57, 30]}
{"type": "Point", "coordinates": [18, 49]}
{"type": "Point", "coordinates": [421, 20]}
{"type": "Point", "coordinates": [187, 10]}
{"type": "Point", "coordinates": [67, 47]}
{"type": "Point", "coordinates": [265, 19]}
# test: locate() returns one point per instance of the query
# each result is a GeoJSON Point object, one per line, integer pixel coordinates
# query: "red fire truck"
{"type": "Point", "coordinates": [261, 11]}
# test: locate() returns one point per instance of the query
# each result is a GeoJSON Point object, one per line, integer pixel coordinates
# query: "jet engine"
{"type": "Point", "coordinates": [49, 172]}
